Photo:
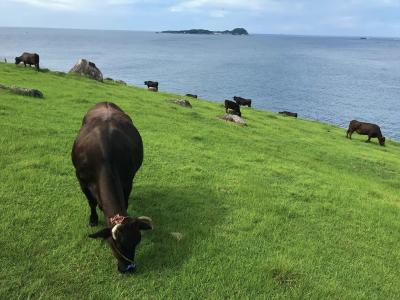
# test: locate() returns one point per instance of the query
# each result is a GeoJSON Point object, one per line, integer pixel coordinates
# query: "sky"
{"type": "Point", "coordinates": [302, 17]}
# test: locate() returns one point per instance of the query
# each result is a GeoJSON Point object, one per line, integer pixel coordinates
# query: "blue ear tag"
{"type": "Point", "coordinates": [131, 267]}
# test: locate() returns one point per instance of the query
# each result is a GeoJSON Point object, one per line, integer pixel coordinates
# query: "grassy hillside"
{"type": "Point", "coordinates": [283, 208]}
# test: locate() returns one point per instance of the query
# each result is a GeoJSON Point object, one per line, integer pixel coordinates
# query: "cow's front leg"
{"type": "Point", "coordinates": [93, 219]}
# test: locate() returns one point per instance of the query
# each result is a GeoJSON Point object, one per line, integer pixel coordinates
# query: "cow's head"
{"type": "Point", "coordinates": [123, 238]}
{"type": "Point", "coordinates": [146, 83]}
{"type": "Point", "coordinates": [382, 141]}
{"type": "Point", "coordinates": [17, 60]}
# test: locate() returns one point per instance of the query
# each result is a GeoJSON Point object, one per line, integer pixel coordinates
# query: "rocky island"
{"type": "Point", "coordinates": [236, 31]}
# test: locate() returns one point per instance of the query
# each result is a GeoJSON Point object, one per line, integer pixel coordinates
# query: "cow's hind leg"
{"type": "Point", "coordinates": [93, 219]}
{"type": "Point", "coordinates": [369, 139]}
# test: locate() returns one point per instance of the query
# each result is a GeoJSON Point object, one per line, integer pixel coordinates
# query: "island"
{"type": "Point", "coordinates": [236, 31]}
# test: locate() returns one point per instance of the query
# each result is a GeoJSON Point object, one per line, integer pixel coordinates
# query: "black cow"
{"type": "Point", "coordinates": [151, 84]}
{"type": "Point", "coordinates": [233, 106]}
{"type": "Point", "coordinates": [107, 153]}
{"type": "Point", "coordinates": [28, 59]}
{"type": "Point", "coordinates": [288, 113]}
{"type": "Point", "coordinates": [191, 96]}
{"type": "Point", "coordinates": [372, 130]}
{"type": "Point", "coordinates": [242, 101]}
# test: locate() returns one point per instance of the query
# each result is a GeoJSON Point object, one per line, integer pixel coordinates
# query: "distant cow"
{"type": "Point", "coordinates": [107, 153]}
{"type": "Point", "coordinates": [233, 106]}
{"type": "Point", "coordinates": [28, 59]}
{"type": "Point", "coordinates": [372, 130]}
{"type": "Point", "coordinates": [191, 96]}
{"type": "Point", "coordinates": [242, 101]}
{"type": "Point", "coordinates": [288, 113]}
{"type": "Point", "coordinates": [151, 84]}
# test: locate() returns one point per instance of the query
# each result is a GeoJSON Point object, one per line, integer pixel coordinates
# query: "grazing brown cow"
{"type": "Point", "coordinates": [372, 130]}
{"type": "Point", "coordinates": [288, 113]}
{"type": "Point", "coordinates": [233, 106]}
{"type": "Point", "coordinates": [28, 59]}
{"type": "Point", "coordinates": [242, 101]}
{"type": "Point", "coordinates": [107, 153]}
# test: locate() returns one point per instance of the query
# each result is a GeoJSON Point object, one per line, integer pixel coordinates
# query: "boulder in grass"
{"type": "Point", "coordinates": [183, 102]}
{"type": "Point", "coordinates": [233, 118]}
{"type": "Point", "coordinates": [121, 82]}
{"type": "Point", "coordinates": [152, 89]}
{"type": "Point", "coordinates": [23, 91]}
{"type": "Point", "coordinates": [26, 92]}
{"type": "Point", "coordinates": [87, 68]}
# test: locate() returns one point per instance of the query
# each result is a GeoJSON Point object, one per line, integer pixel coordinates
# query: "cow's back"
{"type": "Point", "coordinates": [107, 139]}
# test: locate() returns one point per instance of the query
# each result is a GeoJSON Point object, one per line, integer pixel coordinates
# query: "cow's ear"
{"type": "Point", "coordinates": [104, 234]}
{"type": "Point", "coordinates": [145, 223]}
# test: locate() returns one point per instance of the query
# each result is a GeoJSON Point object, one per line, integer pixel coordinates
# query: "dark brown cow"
{"type": "Point", "coordinates": [28, 59]}
{"type": "Point", "coordinates": [107, 153]}
{"type": "Point", "coordinates": [242, 101]}
{"type": "Point", "coordinates": [288, 113]}
{"type": "Point", "coordinates": [151, 84]}
{"type": "Point", "coordinates": [233, 106]}
{"type": "Point", "coordinates": [372, 130]}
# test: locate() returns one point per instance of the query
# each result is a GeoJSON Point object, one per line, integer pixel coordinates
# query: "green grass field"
{"type": "Point", "coordinates": [281, 209]}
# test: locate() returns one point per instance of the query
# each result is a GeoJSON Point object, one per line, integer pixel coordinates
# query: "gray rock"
{"type": "Point", "coordinates": [183, 102]}
{"type": "Point", "coordinates": [23, 91]}
{"type": "Point", "coordinates": [109, 79]}
{"type": "Point", "coordinates": [152, 89]}
{"type": "Point", "coordinates": [84, 67]}
{"type": "Point", "coordinates": [26, 92]}
{"type": "Point", "coordinates": [233, 118]}
{"type": "Point", "coordinates": [120, 82]}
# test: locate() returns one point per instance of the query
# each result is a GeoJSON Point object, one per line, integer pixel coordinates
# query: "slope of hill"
{"type": "Point", "coordinates": [283, 208]}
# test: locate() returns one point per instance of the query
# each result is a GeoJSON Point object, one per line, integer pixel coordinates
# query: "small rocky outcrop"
{"type": "Point", "coordinates": [87, 68]}
{"type": "Point", "coordinates": [23, 91]}
{"type": "Point", "coordinates": [183, 102]}
{"type": "Point", "coordinates": [121, 82]}
{"type": "Point", "coordinates": [233, 118]}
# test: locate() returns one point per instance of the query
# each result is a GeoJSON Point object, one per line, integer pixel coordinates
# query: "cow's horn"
{"type": "Point", "coordinates": [114, 231]}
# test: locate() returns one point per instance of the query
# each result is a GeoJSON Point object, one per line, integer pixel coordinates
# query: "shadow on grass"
{"type": "Point", "coordinates": [183, 218]}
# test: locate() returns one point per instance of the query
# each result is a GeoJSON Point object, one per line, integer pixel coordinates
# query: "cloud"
{"type": "Point", "coordinates": [221, 7]}
{"type": "Point", "coordinates": [51, 4]}
{"type": "Point", "coordinates": [74, 5]}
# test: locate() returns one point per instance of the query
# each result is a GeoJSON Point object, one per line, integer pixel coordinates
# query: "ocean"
{"type": "Point", "coordinates": [329, 79]}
